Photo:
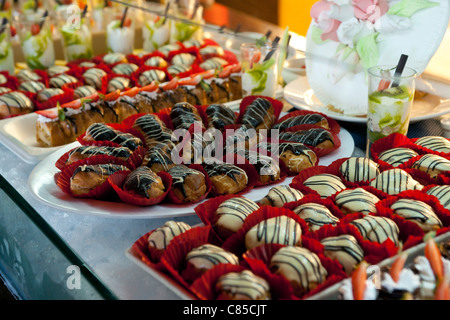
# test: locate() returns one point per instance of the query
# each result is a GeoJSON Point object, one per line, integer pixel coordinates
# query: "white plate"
{"type": "Point", "coordinates": [19, 135]}
{"type": "Point", "coordinates": [42, 185]}
{"type": "Point", "coordinates": [301, 96]}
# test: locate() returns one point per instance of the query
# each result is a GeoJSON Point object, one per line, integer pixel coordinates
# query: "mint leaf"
{"type": "Point", "coordinates": [406, 8]}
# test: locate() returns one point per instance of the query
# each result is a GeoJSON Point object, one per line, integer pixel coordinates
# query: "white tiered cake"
{"type": "Point", "coordinates": [346, 37]}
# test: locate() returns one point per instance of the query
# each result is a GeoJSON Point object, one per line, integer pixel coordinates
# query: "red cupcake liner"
{"type": "Point", "coordinates": [252, 178]}
{"type": "Point", "coordinates": [424, 177]}
{"type": "Point", "coordinates": [52, 102]}
{"type": "Point", "coordinates": [442, 213]}
{"type": "Point", "coordinates": [101, 192]}
{"type": "Point", "coordinates": [297, 181]}
{"type": "Point", "coordinates": [173, 257]}
{"type": "Point", "coordinates": [11, 81]}
{"type": "Point", "coordinates": [236, 242]}
{"type": "Point", "coordinates": [238, 159]}
{"type": "Point", "coordinates": [423, 150]}
{"type": "Point", "coordinates": [149, 255]}
{"type": "Point", "coordinates": [134, 161]}
{"type": "Point", "coordinates": [320, 152]}
{"type": "Point", "coordinates": [394, 140]}
{"type": "Point", "coordinates": [264, 253]}
{"type": "Point", "coordinates": [443, 178]}
{"type": "Point", "coordinates": [206, 212]}
{"type": "Point", "coordinates": [172, 198]}
{"type": "Point", "coordinates": [373, 252]}
{"type": "Point", "coordinates": [132, 58]}
{"type": "Point", "coordinates": [117, 180]}
{"type": "Point", "coordinates": [135, 75]}
{"type": "Point", "coordinates": [334, 126]}
{"type": "Point", "coordinates": [246, 101]}
{"type": "Point", "coordinates": [204, 286]}
{"type": "Point", "coordinates": [315, 198]}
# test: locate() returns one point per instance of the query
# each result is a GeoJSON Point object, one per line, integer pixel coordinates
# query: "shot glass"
{"type": "Point", "coordinates": [259, 69]}
{"type": "Point", "coordinates": [75, 30]}
{"type": "Point", "coordinates": [155, 30]}
{"type": "Point", "coordinates": [120, 30]}
{"type": "Point", "coordinates": [189, 28]}
{"type": "Point", "coordinates": [390, 102]}
{"type": "Point", "coordinates": [6, 51]}
{"type": "Point", "coordinates": [36, 40]}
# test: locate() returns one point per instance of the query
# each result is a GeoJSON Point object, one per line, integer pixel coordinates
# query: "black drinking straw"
{"type": "Point", "coordinates": [399, 70]}
{"type": "Point", "coordinates": [83, 14]}
{"type": "Point", "coordinates": [43, 19]}
{"type": "Point", "coordinates": [197, 4]}
{"type": "Point", "coordinates": [165, 13]}
{"type": "Point", "coordinates": [125, 11]}
{"type": "Point", "coordinates": [3, 27]}
{"type": "Point", "coordinates": [272, 51]}
{"type": "Point", "coordinates": [268, 33]}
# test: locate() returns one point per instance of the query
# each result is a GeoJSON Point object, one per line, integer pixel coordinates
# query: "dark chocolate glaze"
{"type": "Point", "coordinates": [312, 118]}
{"type": "Point", "coordinates": [312, 137]}
{"type": "Point", "coordinates": [220, 116]}
{"type": "Point", "coordinates": [103, 132]}
{"type": "Point", "coordinates": [140, 180]}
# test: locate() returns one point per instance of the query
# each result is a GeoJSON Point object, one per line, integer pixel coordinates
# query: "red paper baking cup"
{"type": "Point", "coordinates": [373, 252]}
{"type": "Point", "coordinates": [334, 126]}
{"type": "Point", "coordinates": [117, 180]}
{"type": "Point", "coordinates": [320, 152]}
{"type": "Point", "coordinates": [394, 140]}
{"type": "Point", "coordinates": [264, 253]}
{"type": "Point", "coordinates": [246, 101]}
{"type": "Point", "coordinates": [423, 150]}
{"type": "Point", "coordinates": [298, 181]}
{"type": "Point", "coordinates": [441, 212]}
{"type": "Point", "coordinates": [149, 255]}
{"type": "Point", "coordinates": [65, 97]}
{"type": "Point", "coordinates": [172, 198]}
{"type": "Point", "coordinates": [206, 212]}
{"type": "Point", "coordinates": [204, 286]}
{"type": "Point", "coordinates": [247, 165]}
{"type": "Point", "coordinates": [101, 192]}
{"type": "Point", "coordinates": [11, 81]}
{"type": "Point", "coordinates": [173, 258]}
{"type": "Point", "coordinates": [252, 178]}
{"type": "Point", "coordinates": [236, 242]}
{"type": "Point", "coordinates": [315, 198]}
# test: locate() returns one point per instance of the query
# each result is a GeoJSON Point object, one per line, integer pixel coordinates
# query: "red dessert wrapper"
{"type": "Point", "coordinates": [132, 58]}
{"type": "Point", "coordinates": [320, 152]}
{"type": "Point", "coordinates": [116, 126]}
{"type": "Point", "coordinates": [443, 178]}
{"type": "Point", "coordinates": [373, 252]}
{"type": "Point", "coordinates": [236, 242]}
{"type": "Point", "coordinates": [135, 75]}
{"type": "Point", "coordinates": [117, 180]}
{"type": "Point", "coordinates": [172, 198]}
{"type": "Point", "coordinates": [315, 198]}
{"type": "Point", "coordinates": [421, 176]}
{"type": "Point", "coordinates": [238, 160]}
{"type": "Point", "coordinates": [246, 101]}
{"type": "Point", "coordinates": [11, 81]}
{"type": "Point", "coordinates": [191, 50]}
{"type": "Point", "coordinates": [204, 286]}
{"type": "Point", "coordinates": [134, 161]}
{"type": "Point", "coordinates": [394, 140]}
{"type": "Point", "coordinates": [206, 212]}
{"type": "Point", "coordinates": [433, 202]}
{"type": "Point", "coordinates": [101, 192]}
{"type": "Point", "coordinates": [63, 98]}
{"type": "Point", "coordinates": [264, 253]}
{"type": "Point", "coordinates": [334, 126]}
{"type": "Point", "coordinates": [423, 150]}
{"type": "Point", "coordinates": [252, 178]}
{"type": "Point", "coordinates": [297, 181]}
{"type": "Point", "coordinates": [173, 258]}
{"type": "Point", "coordinates": [149, 255]}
